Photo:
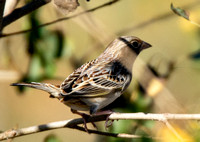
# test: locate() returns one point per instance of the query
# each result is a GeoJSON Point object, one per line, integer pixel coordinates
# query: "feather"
{"type": "Point", "coordinates": [96, 79]}
{"type": "Point", "coordinates": [53, 90]}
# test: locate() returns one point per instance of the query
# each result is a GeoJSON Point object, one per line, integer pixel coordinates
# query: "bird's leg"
{"type": "Point", "coordinates": [85, 117]}
{"type": "Point", "coordinates": [108, 113]}
{"type": "Point", "coordinates": [94, 125]}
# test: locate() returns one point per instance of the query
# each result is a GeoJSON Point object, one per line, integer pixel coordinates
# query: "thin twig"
{"type": "Point", "coordinates": [171, 128]}
{"type": "Point", "coordinates": [129, 29]}
{"type": "Point", "coordinates": [20, 12]}
{"type": "Point", "coordinates": [156, 19]}
{"type": "Point", "coordinates": [61, 19]}
{"type": "Point", "coordinates": [117, 135]}
{"type": "Point", "coordinates": [114, 116]}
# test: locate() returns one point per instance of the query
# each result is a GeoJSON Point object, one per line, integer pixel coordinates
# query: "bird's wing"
{"type": "Point", "coordinates": [67, 84]}
{"type": "Point", "coordinates": [98, 80]}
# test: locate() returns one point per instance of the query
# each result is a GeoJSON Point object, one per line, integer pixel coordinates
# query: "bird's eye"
{"type": "Point", "coordinates": [135, 44]}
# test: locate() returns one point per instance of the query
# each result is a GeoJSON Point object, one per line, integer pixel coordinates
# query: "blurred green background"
{"type": "Point", "coordinates": [51, 53]}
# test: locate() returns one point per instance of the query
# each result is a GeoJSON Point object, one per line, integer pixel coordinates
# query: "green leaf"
{"type": "Point", "coordinates": [52, 138]}
{"type": "Point", "coordinates": [180, 12]}
{"type": "Point", "coordinates": [49, 69]}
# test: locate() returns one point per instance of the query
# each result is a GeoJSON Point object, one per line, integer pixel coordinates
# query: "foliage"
{"type": "Point", "coordinates": [52, 138]}
{"type": "Point", "coordinates": [44, 47]}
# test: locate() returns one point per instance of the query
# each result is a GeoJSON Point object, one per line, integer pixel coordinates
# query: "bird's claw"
{"type": "Point", "coordinates": [85, 118]}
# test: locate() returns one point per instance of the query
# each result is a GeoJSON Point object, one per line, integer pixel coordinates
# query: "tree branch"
{"type": "Point", "coordinates": [45, 127]}
{"type": "Point", "coordinates": [150, 116]}
{"type": "Point", "coordinates": [116, 135]}
{"type": "Point", "coordinates": [72, 123]}
{"type": "Point", "coordinates": [61, 19]}
{"type": "Point", "coordinates": [20, 12]}
{"type": "Point", "coordinates": [129, 29]}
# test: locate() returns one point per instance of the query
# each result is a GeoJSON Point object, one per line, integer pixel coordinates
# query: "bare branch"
{"type": "Point", "coordinates": [72, 123]}
{"type": "Point", "coordinates": [150, 116]}
{"type": "Point", "coordinates": [20, 12]}
{"type": "Point", "coordinates": [129, 29]}
{"type": "Point", "coordinates": [61, 19]}
{"type": "Point", "coordinates": [45, 127]}
{"type": "Point", "coordinates": [117, 135]}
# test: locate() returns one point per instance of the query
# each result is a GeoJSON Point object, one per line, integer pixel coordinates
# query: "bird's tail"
{"type": "Point", "coordinates": [53, 90]}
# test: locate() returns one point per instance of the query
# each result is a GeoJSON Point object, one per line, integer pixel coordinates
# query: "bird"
{"type": "Point", "coordinates": [99, 82]}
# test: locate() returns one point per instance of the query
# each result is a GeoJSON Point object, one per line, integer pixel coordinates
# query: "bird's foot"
{"type": "Point", "coordinates": [85, 118]}
{"type": "Point", "coordinates": [108, 122]}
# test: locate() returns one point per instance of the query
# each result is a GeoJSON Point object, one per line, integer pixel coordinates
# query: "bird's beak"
{"type": "Point", "coordinates": [145, 45]}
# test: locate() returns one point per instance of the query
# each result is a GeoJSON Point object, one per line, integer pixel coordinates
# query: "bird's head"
{"type": "Point", "coordinates": [134, 43]}
{"type": "Point", "coordinates": [125, 45]}
{"type": "Point", "coordinates": [125, 49]}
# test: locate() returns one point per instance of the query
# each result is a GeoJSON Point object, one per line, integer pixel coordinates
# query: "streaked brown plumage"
{"type": "Point", "coordinates": [99, 82]}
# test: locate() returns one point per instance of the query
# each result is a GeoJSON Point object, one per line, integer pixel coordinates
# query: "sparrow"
{"type": "Point", "coordinates": [99, 82]}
